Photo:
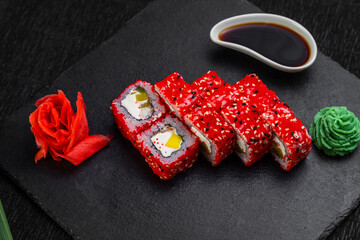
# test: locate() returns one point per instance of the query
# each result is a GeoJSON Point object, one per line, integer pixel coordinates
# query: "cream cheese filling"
{"type": "Point", "coordinates": [160, 139]}
{"type": "Point", "coordinates": [240, 142]}
{"type": "Point", "coordinates": [136, 108]}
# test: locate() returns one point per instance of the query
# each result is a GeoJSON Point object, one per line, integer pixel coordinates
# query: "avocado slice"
{"type": "Point", "coordinates": [146, 105]}
{"type": "Point", "coordinates": [140, 90]}
{"type": "Point", "coordinates": [278, 151]}
{"type": "Point", "coordinates": [141, 97]}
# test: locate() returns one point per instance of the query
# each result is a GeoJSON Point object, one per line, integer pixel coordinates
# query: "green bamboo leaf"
{"type": "Point", "coordinates": [5, 233]}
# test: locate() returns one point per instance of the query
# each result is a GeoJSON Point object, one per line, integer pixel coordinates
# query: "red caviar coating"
{"type": "Point", "coordinates": [214, 127]}
{"type": "Point", "coordinates": [291, 132]}
{"type": "Point", "coordinates": [225, 96]}
{"type": "Point", "coordinates": [250, 83]}
{"type": "Point", "coordinates": [213, 89]}
{"type": "Point", "coordinates": [209, 85]}
{"type": "Point", "coordinates": [258, 93]}
{"type": "Point", "coordinates": [178, 95]}
{"type": "Point", "coordinates": [209, 81]}
{"type": "Point", "coordinates": [240, 108]}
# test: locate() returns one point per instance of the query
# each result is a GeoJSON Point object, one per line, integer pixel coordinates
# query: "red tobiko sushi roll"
{"type": "Point", "coordinates": [225, 96]}
{"type": "Point", "coordinates": [217, 137]}
{"type": "Point", "coordinates": [168, 147]}
{"type": "Point", "coordinates": [136, 109]}
{"type": "Point", "coordinates": [291, 141]}
{"type": "Point", "coordinates": [258, 93]}
{"type": "Point", "coordinates": [253, 134]}
{"type": "Point", "coordinates": [178, 95]}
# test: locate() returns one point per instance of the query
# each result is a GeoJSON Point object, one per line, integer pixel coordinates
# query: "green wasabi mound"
{"type": "Point", "coordinates": [335, 130]}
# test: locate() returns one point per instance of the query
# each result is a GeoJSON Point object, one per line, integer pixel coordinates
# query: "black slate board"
{"type": "Point", "coordinates": [114, 194]}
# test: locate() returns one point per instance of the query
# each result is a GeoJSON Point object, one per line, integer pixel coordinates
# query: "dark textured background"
{"type": "Point", "coordinates": [40, 39]}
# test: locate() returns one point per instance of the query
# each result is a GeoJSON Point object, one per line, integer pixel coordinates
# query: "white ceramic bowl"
{"type": "Point", "coordinates": [265, 18]}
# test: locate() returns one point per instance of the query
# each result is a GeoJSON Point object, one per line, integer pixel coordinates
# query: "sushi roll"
{"type": "Point", "coordinates": [257, 92]}
{"type": "Point", "coordinates": [291, 141]}
{"type": "Point", "coordinates": [168, 147]}
{"type": "Point", "coordinates": [253, 139]}
{"type": "Point", "coordinates": [253, 136]}
{"type": "Point", "coordinates": [136, 109]}
{"type": "Point", "coordinates": [178, 95]}
{"type": "Point", "coordinates": [216, 142]}
{"type": "Point", "coordinates": [216, 136]}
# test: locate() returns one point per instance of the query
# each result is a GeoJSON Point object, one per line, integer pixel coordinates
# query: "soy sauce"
{"type": "Point", "coordinates": [276, 42]}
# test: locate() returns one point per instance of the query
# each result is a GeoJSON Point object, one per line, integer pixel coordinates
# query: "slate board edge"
{"type": "Point", "coordinates": [327, 231]}
{"type": "Point", "coordinates": [37, 95]}
{"type": "Point", "coordinates": [37, 202]}
{"type": "Point", "coordinates": [337, 222]}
